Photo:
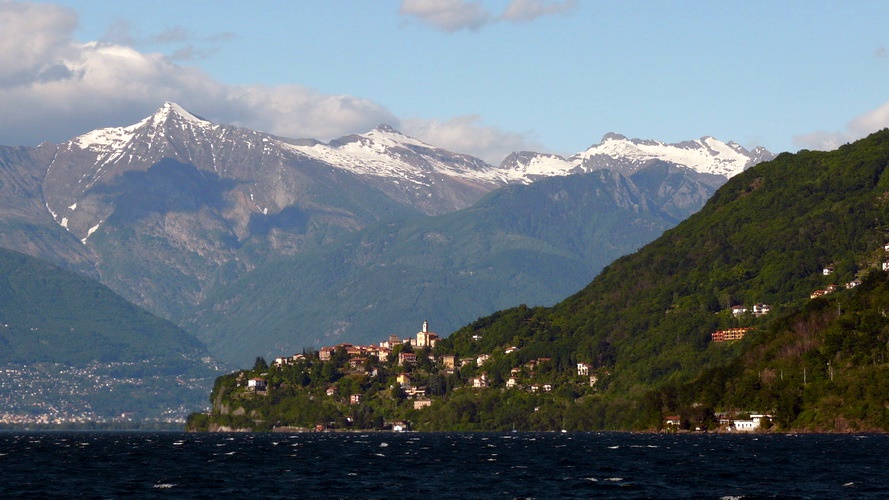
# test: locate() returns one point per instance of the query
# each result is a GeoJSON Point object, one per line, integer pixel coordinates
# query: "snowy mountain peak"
{"type": "Point", "coordinates": [116, 138]}
{"type": "Point", "coordinates": [172, 111]}
{"type": "Point", "coordinates": [612, 136]}
{"type": "Point", "coordinates": [385, 135]}
{"type": "Point", "coordinates": [386, 128]}
{"type": "Point", "coordinates": [705, 155]}
{"type": "Point", "coordinates": [404, 163]}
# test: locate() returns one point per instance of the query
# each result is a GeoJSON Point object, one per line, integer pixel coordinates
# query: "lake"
{"type": "Point", "coordinates": [442, 465]}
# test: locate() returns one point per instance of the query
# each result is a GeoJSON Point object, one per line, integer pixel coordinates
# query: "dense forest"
{"type": "Point", "coordinates": [772, 235]}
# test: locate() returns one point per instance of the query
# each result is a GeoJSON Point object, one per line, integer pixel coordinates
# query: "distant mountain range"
{"type": "Point", "coordinates": [197, 221]}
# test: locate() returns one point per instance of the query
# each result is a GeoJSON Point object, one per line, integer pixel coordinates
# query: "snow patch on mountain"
{"type": "Point", "coordinates": [91, 231]}
{"type": "Point", "coordinates": [705, 155]}
{"type": "Point", "coordinates": [385, 152]}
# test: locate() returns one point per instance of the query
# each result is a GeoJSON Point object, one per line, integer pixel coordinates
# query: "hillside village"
{"type": "Point", "coordinates": [383, 385]}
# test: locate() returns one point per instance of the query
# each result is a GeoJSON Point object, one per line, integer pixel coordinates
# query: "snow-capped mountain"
{"type": "Point", "coordinates": [705, 155]}
{"type": "Point", "coordinates": [385, 152]}
{"type": "Point", "coordinates": [404, 169]}
{"type": "Point", "coordinates": [168, 210]}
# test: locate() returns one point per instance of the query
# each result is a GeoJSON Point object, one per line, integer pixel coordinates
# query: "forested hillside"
{"type": "Point", "coordinates": [792, 237]}
{"type": "Point", "coordinates": [51, 315]}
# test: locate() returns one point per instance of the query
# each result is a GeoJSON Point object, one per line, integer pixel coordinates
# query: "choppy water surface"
{"type": "Point", "coordinates": [442, 465]}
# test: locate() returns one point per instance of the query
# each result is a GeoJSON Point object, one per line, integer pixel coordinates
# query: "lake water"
{"type": "Point", "coordinates": [441, 465]}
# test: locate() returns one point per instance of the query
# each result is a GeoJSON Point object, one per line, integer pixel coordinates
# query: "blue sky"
{"type": "Point", "coordinates": [480, 77]}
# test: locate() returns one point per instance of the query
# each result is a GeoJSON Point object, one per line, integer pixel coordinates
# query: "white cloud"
{"type": "Point", "coordinates": [53, 88]}
{"type": "Point", "coordinates": [466, 134]}
{"type": "Point", "coordinates": [35, 40]}
{"type": "Point", "coordinates": [529, 10]}
{"type": "Point", "coordinates": [859, 127]}
{"type": "Point", "coordinates": [447, 15]}
{"type": "Point", "coordinates": [456, 15]}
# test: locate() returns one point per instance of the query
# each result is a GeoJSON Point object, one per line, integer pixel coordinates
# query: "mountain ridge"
{"type": "Point", "coordinates": [172, 208]}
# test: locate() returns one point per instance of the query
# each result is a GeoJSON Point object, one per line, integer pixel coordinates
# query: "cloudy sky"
{"type": "Point", "coordinates": [485, 77]}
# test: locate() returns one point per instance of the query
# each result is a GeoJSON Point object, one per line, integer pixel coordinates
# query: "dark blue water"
{"type": "Point", "coordinates": [411, 465]}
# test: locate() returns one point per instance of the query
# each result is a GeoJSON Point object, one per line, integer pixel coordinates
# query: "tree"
{"type": "Point", "coordinates": [260, 364]}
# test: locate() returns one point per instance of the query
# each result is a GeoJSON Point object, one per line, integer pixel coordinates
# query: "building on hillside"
{"type": "Point", "coordinates": [761, 309]}
{"type": "Point", "coordinates": [383, 354]}
{"type": "Point", "coordinates": [257, 384]}
{"type": "Point", "coordinates": [407, 358]}
{"type": "Point", "coordinates": [480, 382]}
{"type": "Point", "coordinates": [583, 369]}
{"type": "Point", "coordinates": [425, 338]}
{"type": "Point", "coordinates": [738, 311]}
{"type": "Point", "coordinates": [449, 361]}
{"type": "Point", "coordinates": [419, 404]}
{"type": "Point", "coordinates": [415, 391]}
{"type": "Point", "coordinates": [391, 342]}
{"type": "Point", "coordinates": [403, 379]}
{"type": "Point", "coordinates": [729, 334]}
{"type": "Point", "coordinates": [355, 399]}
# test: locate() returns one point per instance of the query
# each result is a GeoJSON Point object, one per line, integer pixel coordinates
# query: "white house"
{"type": "Point", "coordinates": [256, 384]}
{"type": "Point", "coordinates": [752, 424]}
{"type": "Point", "coordinates": [480, 382]}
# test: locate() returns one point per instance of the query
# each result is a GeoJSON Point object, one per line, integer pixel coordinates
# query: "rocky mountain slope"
{"type": "Point", "coordinates": [523, 243]}
{"type": "Point", "coordinates": [174, 209]}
